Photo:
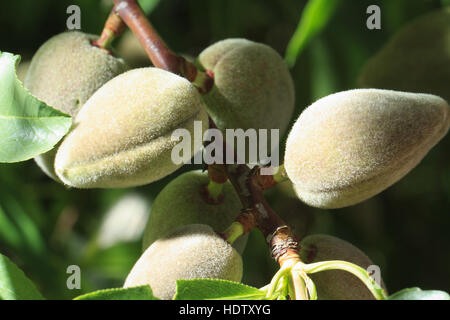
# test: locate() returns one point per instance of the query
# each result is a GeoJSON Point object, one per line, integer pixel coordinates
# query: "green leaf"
{"type": "Point", "coordinates": [14, 285]}
{"type": "Point", "coordinates": [134, 293]}
{"type": "Point", "coordinates": [215, 289]}
{"type": "Point", "coordinates": [28, 127]}
{"type": "Point", "coordinates": [418, 294]}
{"type": "Point", "coordinates": [315, 17]}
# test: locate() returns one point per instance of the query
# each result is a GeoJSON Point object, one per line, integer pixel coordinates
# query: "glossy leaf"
{"type": "Point", "coordinates": [134, 293]}
{"type": "Point", "coordinates": [14, 284]}
{"type": "Point", "coordinates": [215, 289]}
{"type": "Point", "coordinates": [418, 294]}
{"type": "Point", "coordinates": [28, 127]}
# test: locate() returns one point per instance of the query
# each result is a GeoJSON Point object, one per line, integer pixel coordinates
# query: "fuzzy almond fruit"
{"type": "Point", "coordinates": [351, 145]}
{"type": "Point", "coordinates": [183, 201]}
{"type": "Point", "coordinates": [123, 134]}
{"type": "Point", "coordinates": [336, 284]}
{"type": "Point", "coordinates": [191, 252]}
{"type": "Point", "coordinates": [65, 71]}
{"type": "Point", "coordinates": [252, 86]}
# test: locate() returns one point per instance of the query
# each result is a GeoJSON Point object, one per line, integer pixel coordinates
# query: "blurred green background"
{"type": "Point", "coordinates": [45, 227]}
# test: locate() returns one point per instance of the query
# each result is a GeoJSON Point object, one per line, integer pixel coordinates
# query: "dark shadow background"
{"type": "Point", "coordinates": [45, 227]}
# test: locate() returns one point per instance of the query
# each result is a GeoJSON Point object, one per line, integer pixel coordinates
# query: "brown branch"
{"type": "Point", "coordinates": [159, 53]}
{"type": "Point", "coordinates": [265, 181]}
{"type": "Point", "coordinates": [114, 27]}
{"type": "Point", "coordinates": [280, 238]}
{"type": "Point", "coordinates": [217, 173]}
{"type": "Point", "coordinates": [247, 219]}
{"type": "Point", "coordinates": [161, 56]}
{"type": "Point", "coordinates": [256, 212]}
{"type": "Point", "coordinates": [250, 194]}
{"type": "Point", "coordinates": [249, 184]}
